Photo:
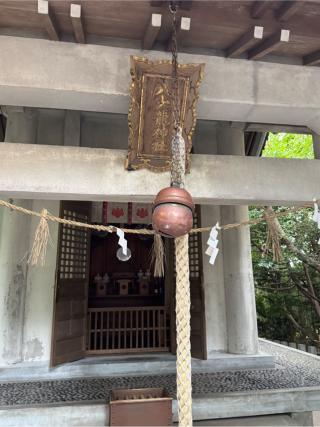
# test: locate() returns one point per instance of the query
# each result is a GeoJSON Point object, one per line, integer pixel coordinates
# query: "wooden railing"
{"type": "Point", "coordinates": [128, 330]}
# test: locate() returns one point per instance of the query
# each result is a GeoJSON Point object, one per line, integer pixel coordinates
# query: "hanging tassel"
{"type": "Point", "coordinates": [40, 242]}
{"type": "Point", "coordinates": [158, 256]}
{"type": "Point", "coordinates": [273, 237]}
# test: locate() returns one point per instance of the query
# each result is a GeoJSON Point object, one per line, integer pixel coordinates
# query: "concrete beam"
{"type": "Point", "coordinates": [98, 174]}
{"type": "Point", "coordinates": [96, 78]}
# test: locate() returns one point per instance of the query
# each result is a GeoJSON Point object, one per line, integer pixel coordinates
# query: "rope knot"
{"type": "Point", "coordinates": [273, 236]}
{"type": "Point", "coordinates": [40, 242]}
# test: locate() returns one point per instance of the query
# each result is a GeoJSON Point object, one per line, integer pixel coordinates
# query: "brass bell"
{"type": "Point", "coordinates": [173, 211]}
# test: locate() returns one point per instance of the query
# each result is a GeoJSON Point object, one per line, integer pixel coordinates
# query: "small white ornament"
{"type": "Point", "coordinates": [122, 241]}
{"type": "Point", "coordinates": [212, 243]}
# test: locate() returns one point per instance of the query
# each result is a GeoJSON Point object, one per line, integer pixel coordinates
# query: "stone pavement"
{"type": "Point", "coordinates": [294, 369]}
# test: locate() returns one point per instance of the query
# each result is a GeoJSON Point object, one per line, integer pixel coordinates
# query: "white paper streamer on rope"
{"type": "Point", "coordinates": [316, 216]}
{"type": "Point", "coordinates": [212, 243]}
{"type": "Point", "coordinates": [122, 241]}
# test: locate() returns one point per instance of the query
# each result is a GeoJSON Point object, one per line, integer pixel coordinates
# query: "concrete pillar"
{"type": "Point", "coordinates": [14, 246]}
{"type": "Point", "coordinates": [26, 293]}
{"type": "Point", "coordinates": [72, 128]}
{"type": "Point", "coordinates": [14, 249]}
{"type": "Point", "coordinates": [237, 264]}
{"type": "Point", "coordinates": [22, 125]}
{"type": "Point", "coordinates": [316, 145]}
{"type": "Point", "coordinates": [213, 284]}
{"type": "Point", "coordinates": [40, 293]}
{"type": "Point", "coordinates": [205, 142]}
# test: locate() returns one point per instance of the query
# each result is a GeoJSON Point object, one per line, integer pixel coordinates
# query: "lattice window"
{"type": "Point", "coordinates": [74, 247]}
{"type": "Point", "coordinates": [194, 250]}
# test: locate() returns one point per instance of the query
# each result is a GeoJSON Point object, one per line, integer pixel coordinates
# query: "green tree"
{"type": "Point", "coordinates": [288, 293]}
{"type": "Point", "coordinates": [288, 145]}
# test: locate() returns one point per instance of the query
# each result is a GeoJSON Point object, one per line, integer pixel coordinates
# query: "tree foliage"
{"type": "Point", "coordinates": [288, 293]}
{"type": "Point", "coordinates": [286, 145]}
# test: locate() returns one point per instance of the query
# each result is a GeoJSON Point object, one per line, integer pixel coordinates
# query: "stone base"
{"type": "Point", "coordinates": [164, 363]}
{"type": "Point", "coordinates": [98, 415]}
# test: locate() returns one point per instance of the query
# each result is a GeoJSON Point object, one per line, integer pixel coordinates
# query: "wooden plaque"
{"type": "Point", "coordinates": [150, 115]}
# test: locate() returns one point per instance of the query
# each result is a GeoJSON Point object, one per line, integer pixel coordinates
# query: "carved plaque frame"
{"type": "Point", "coordinates": [150, 117]}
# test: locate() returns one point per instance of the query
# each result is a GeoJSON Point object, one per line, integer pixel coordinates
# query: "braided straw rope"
{"type": "Point", "coordinates": [112, 229]}
{"type": "Point", "coordinates": [184, 386]}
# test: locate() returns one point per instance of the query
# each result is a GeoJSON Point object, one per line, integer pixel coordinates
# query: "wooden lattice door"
{"type": "Point", "coordinates": [70, 310]}
{"type": "Point", "coordinates": [197, 310]}
{"type": "Point", "coordinates": [198, 325]}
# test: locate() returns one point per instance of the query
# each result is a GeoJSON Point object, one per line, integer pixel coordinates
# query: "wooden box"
{"type": "Point", "coordinates": [101, 289]}
{"type": "Point", "coordinates": [144, 287]}
{"type": "Point", "coordinates": [140, 407]}
{"type": "Point", "coordinates": [123, 286]}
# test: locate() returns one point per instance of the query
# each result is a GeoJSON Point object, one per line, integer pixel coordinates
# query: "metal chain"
{"type": "Point", "coordinates": [178, 143]}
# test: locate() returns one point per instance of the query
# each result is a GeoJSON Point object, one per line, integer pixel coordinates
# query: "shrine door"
{"type": "Point", "coordinates": [197, 308]}
{"type": "Point", "coordinates": [72, 276]}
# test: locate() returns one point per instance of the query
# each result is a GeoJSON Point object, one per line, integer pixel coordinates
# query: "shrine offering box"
{"type": "Point", "coordinates": [140, 407]}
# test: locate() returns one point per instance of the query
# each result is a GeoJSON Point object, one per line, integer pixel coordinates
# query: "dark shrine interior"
{"type": "Point", "coordinates": [115, 283]}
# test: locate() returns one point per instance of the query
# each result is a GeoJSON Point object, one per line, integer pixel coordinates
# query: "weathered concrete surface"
{"type": "Point", "coordinates": [100, 367]}
{"type": "Point", "coordinates": [86, 129]}
{"type": "Point", "coordinates": [26, 293]}
{"type": "Point", "coordinates": [21, 125]}
{"type": "Point", "coordinates": [14, 246]}
{"type": "Point", "coordinates": [63, 173]}
{"type": "Point", "coordinates": [216, 407]}
{"type": "Point", "coordinates": [37, 325]}
{"type": "Point", "coordinates": [238, 281]}
{"type": "Point", "coordinates": [242, 330]}
{"type": "Point", "coordinates": [316, 145]}
{"type": "Point", "coordinates": [96, 78]}
{"type": "Point", "coordinates": [294, 419]}
{"type": "Point", "coordinates": [213, 284]}
{"type": "Point", "coordinates": [245, 404]}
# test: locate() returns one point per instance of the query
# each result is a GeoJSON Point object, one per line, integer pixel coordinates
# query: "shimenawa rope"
{"type": "Point", "coordinates": [46, 216]}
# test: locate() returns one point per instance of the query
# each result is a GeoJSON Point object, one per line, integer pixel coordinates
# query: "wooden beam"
{"type": "Point", "coordinates": [77, 24]}
{"type": "Point", "coordinates": [245, 42]}
{"type": "Point", "coordinates": [47, 19]}
{"type": "Point", "coordinates": [288, 9]}
{"type": "Point", "coordinates": [182, 4]}
{"type": "Point", "coordinates": [185, 25]}
{"type": "Point", "coordinates": [152, 31]}
{"type": "Point", "coordinates": [312, 59]}
{"type": "Point", "coordinates": [157, 3]}
{"type": "Point", "coordinates": [259, 8]}
{"type": "Point", "coordinates": [269, 45]}
{"type": "Point", "coordinates": [185, 4]}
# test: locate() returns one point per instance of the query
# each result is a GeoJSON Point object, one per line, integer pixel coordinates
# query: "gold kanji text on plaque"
{"type": "Point", "coordinates": [150, 115]}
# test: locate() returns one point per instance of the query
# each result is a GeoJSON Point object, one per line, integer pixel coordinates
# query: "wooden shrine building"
{"type": "Point", "coordinates": [65, 96]}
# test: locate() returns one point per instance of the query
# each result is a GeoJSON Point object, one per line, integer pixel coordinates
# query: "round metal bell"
{"type": "Point", "coordinates": [173, 212]}
{"type": "Point", "coordinates": [122, 256]}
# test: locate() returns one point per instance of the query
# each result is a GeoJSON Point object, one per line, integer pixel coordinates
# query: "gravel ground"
{"type": "Point", "coordinates": [293, 370]}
